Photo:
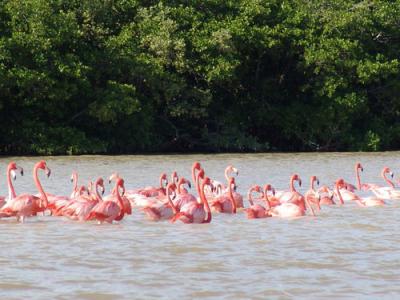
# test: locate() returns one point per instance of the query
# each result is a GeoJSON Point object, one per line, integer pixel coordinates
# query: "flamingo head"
{"type": "Point", "coordinates": [314, 179]}
{"type": "Point", "coordinates": [359, 166]}
{"type": "Point", "coordinates": [206, 180]}
{"type": "Point", "coordinates": [113, 176]}
{"type": "Point", "coordinates": [340, 183]}
{"type": "Point", "coordinates": [12, 167]}
{"type": "Point", "coordinates": [171, 187]}
{"type": "Point", "coordinates": [267, 188]}
{"type": "Point", "coordinates": [163, 179]}
{"type": "Point", "coordinates": [386, 170]}
{"type": "Point", "coordinates": [100, 183]}
{"type": "Point", "coordinates": [231, 169]}
{"type": "Point", "coordinates": [174, 177]}
{"type": "Point", "coordinates": [74, 176]}
{"type": "Point", "coordinates": [256, 188]}
{"type": "Point", "coordinates": [196, 166]}
{"type": "Point", "coordinates": [296, 177]}
{"type": "Point", "coordinates": [42, 165]}
{"type": "Point", "coordinates": [120, 184]}
{"type": "Point", "coordinates": [183, 180]}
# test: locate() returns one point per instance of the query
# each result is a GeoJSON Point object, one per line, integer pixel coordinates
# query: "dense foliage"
{"type": "Point", "coordinates": [126, 76]}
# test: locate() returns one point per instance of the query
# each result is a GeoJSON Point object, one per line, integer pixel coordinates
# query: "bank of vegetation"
{"type": "Point", "coordinates": [128, 76]}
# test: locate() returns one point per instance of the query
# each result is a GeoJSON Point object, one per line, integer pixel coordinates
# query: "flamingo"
{"type": "Point", "coordinates": [365, 186]}
{"type": "Point", "coordinates": [365, 201]}
{"type": "Point", "coordinates": [225, 203]}
{"type": "Point", "coordinates": [312, 196]}
{"type": "Point", "coordinates": [386, 192]}
{"type": "Point", "coordinates": [164, 211]}
{"type": "Point", "coordinates": [256, 211]}
{"type": "Point", "coordinates": [326, 195]}
{"type": "Point", "coordinates": [27, 205]}
{"type": "Point", "coordinates": [111, 209]}
{"type": "Point", "coordinates": [125, 200]}
{"type": "Point", "coordinates": [194, 212]}
{"type": "Point", "coordinates": [183, 196]}
{"type": "Point", "coordinates": [81, 206]}
{"type": "Point", "coordinates": [292, 196]}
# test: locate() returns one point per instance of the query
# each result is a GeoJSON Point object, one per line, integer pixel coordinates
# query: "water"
{"type": "Point", "coordinates": [344, 252]}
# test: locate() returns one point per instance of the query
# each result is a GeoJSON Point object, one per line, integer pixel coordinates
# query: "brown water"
{"type": "Point", "coordinates": [344, 252]}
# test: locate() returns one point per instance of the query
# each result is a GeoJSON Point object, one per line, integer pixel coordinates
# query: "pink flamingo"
{"type": "Point", "coordinates": [386, 192]}
{"type": "Point", "coordinates": [164, 211]}
{"type": "Point", "coordinates": [225, 203]}
{"type": "Point", "coordinates": [194, 212]}
{"type": "Point", "coordinates": [112, 209]}
{"type": "Point", "coordinates": [125, 200]}
{"type": "Point", "coordinates": [365, 186]}
{"type": "Point", "coordinates": [366, 201]}
{"type": "Point", "coordinates": [183, 197]}
{"type": "Point", "coordinates": [256, 211]}
{"type": "Point", "coordinates": [312, 196]}
{"type": "Point", "coordinates": [292, 196]}
{"type": "Point", "coordinates": [81, 206]}
{"type": "Point", "coordinates": [326, 196]}
{"type": "Point", "coordinates": [27, 205]}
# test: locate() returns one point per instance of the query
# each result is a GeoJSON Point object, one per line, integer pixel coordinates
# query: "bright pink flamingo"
{"type": "Point", "coordinates": [112, 209]}
{"type": "Point", "coordinates": [366, 201]}
{"type": "Point", "coordinates": [312, 196]}
{"type": "Point", "coordinates": [11, 168]}
{"type": "Point", "coordinates": [194, 212]}
{"type": "Point", "coordinates": [164, 211]}
{"type": "Point", "coordinates": [27, 205]}
{"type": "Point", "coordinates": [225, 203]}
{"type": "Point", "coordinates": [256, 211]}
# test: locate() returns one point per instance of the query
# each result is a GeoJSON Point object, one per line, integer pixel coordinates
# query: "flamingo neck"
{"type": "Point", "coordinates": [389, 182]}
{"type": "Point", "coordinates": [250, 197]}
{"type": "Point", "coordinates": [120, 203]}
{"type": "Point", "coordinates": [233, 202]}
{"type": "Point", "coordinates": [292, 189]}
{"type": "Point", "coordinates": [99, 197]}
{"type": "Point", "coordinates": [174, 209]}
{"type": "Point", "coordinates": [198, 184]}
{"type": "Point", "coordinates": [267, 199]}
{"type": "Point", "coordinates": [205, 204]}
{"type": "Point", "coordinates": [75, 179]}
{"type": "Point", "coordinates": [11, 191]}
{"type": "Point", "coordinates": [339, 194]}
{"type": "Point", "coordinates": [312, 183]}
{"type": "Point", "coordinates": [194, 177]}
{"type": "Point", "coordinates": [358, 178]}
{"type": "Point", "coordinates": [39, 186]}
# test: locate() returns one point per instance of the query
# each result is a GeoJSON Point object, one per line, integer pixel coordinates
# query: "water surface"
{"type": "Point", "coordinates": [344, 252]}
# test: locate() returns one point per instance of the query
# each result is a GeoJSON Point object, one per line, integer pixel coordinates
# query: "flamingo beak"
{"type": "Point", "coordinates": [102, 190]}
{"type": "Point", "coordinates": [48, 172]}
{"type": "Point", "coordinates": [362, 169]}
{"type": "Point", "coordinates": [391, 174]}
{"type": "Point", "coordinates": [189, 185]}
{"type": "Point", "coordinates": [299, 182]}
{"type": "Point", "coordinates": [21, 171]}
{"type": "Point", "coordinates": [317, 182]}
{"type": "Point", "coordinates": [13, 175]}
{"type": "Point", "coordinates": [235, 171]}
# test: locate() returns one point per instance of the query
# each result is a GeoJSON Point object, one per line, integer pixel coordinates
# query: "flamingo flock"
{"type": "Point", "coordinates": [173, 200]}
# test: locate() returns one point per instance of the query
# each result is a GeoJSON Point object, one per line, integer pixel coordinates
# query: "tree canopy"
{"type": "Point", "coordinates": [126, 76]}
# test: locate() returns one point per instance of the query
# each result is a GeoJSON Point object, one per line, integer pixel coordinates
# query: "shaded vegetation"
{"type": "Point", "coordinates": [152, 76]}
